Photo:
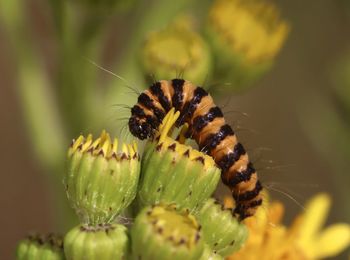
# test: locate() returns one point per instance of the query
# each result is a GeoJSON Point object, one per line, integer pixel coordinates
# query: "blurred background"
{"type": "Point", "coordinates": [293, 116]}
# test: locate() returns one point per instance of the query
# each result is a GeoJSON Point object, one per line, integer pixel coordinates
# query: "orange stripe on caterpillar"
{"type": "Point", "coordinates": [208, 128]}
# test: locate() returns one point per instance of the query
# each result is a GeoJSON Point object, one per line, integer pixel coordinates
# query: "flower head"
{"type": "Point", "coordinates": [246, 35]}
{"type": "Point", "coordinates": [164, 232]}
{"type": "Point", "coordinates": [174, 50]}
{"type": "Point", "coordinates": [108, 241]}
{"type": "Point", "coordinates": [101, 180]}
{"type": "Point", "coordinates": [249, 27]}
{"type": "Point", "coordinates": [173, 172]}
{"type": "Point", "coordinates": [270, 239]}
{"type": "Point", "coordinates": [37, 246]}
{"type": "Point", "coordinates": [222, 232]}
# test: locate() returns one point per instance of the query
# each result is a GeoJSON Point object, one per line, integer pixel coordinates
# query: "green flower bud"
{"type": "Point", "coordinates": [173, 172]}
{"type": "Point", "coordinates": [246, 35]}
{"type": "Point", "coordinates": [221, 230]}
{"type": "Point", "coordinates": [35, 247]}
{"type": "Point", "coordinates": [176, 50]}
{"type": "Point", "coordinates": [107, 242]}
{"type": "Point", "coordinates": [100, 181]}
{"type": "Point", "coordinates": [162, 232]}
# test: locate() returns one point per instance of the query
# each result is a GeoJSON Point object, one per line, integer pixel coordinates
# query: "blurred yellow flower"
{"type": "Point", "coordinates": [305, 239]}
{"type": "Point", "coordinates": [250, 27]}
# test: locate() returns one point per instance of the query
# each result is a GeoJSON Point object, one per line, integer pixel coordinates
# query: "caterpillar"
{"type": "Point", "coordinates": [207, 126]}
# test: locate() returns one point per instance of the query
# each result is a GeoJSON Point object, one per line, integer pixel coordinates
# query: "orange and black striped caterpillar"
{"type": "Point", "coordinates": [208, 128]}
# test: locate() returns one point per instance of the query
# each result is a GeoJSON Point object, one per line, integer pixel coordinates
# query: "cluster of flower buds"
{"type": "Point", "coordinates": [178, 219]}
{"type": "Point", "coordinates": [101, 182]}
{"type": "Point", "coordinates": [240, 43]}
{"type": "Point", "coordinates": [170, 189]}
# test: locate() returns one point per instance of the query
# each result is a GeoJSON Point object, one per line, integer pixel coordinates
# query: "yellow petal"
{"type": "Point", "coordinates": [125, 148]}
{"type": "Point", "coordinates": [115, 145]}
{"type": "Point", "coordinates": [87, 143]}
{"type": "Point", "coordinates": [276, 211]}
{"type": "Point", "coordinates": [78, 142]}
{"type": "Point", "coordinates": [168, 122]}
{"type": "Point", "coordinates": [332, 241]}
{"type": "Point", "coordinates": [314, 217]}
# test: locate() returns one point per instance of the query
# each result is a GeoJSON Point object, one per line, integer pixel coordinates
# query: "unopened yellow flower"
{"type": "Point", "coordinates": [245, 36]}
{"type": "Point", "coordinates": [250, 27]}
{"type": "Point", "coordinates": [177, 49]}
{"type": "Point", "coordinates": [173, 172]}
{"type": "Point", "coordinates": [101, 178]}
{"type": "Point", "coordinates": [270, 239]}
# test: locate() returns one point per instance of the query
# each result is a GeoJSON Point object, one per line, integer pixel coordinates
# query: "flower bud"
{"type": "Point", "coordinates": [101, 181]}
{"type": "Point", "coordinates": [176, 51]}
{"type": "Point", "coordinates": [221, 230]}
{"type": "Point", "coordinates": [246, 35]}
{"type": "Point", "coordinates": [162, 232]}
{"type": "Point", "coordinates": [173, 172]}
{"type": "Point", "coordinates": [36, 246]}
{"type": "Point", "coordinates": [108, 242]}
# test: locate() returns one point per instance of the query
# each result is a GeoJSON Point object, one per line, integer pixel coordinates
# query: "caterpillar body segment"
{"type": "Point", "coordinates": [207, 126]}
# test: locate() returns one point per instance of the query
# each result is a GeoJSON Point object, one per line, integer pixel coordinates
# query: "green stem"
{"type": "Point", "coordinates": [76, 78]}
{"type": "Point", "coordinates": [37, 100]}
{"type": "Point", "coordinates": [38, 104]}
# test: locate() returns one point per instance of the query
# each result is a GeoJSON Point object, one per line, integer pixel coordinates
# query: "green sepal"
{"type": "Point", "coordinates": [99, 242]}
{"type": "Point", "coordinates": [223, 233]}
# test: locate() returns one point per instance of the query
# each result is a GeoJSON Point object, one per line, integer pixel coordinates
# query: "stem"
{"type": "Point", "coordinates": [37, 100]}
{"type": "Point", "coordinates": [76, 77]}
{"type": "Point", "coordinates": [38, 104]}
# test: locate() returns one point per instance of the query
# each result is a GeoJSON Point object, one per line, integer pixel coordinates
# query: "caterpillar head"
{"type": "Point", "coordinates": [140, 128]}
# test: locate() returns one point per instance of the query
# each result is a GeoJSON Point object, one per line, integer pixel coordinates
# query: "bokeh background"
{"type": "Point", "coordinates": [297, 128]}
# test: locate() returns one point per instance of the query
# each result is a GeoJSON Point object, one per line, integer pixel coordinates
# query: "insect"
{"type": "Point", "coordinates": [207, 126]}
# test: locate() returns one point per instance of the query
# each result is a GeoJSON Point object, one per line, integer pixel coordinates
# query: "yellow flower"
{"type": "Point", "coordinates": [177, 49]}
{"type": "Point", "coordinates": [246, 36]}
{"type": "Point", "coordinates": [270, 239]}
{"type": "Point", "coordinates": [250, 27]}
